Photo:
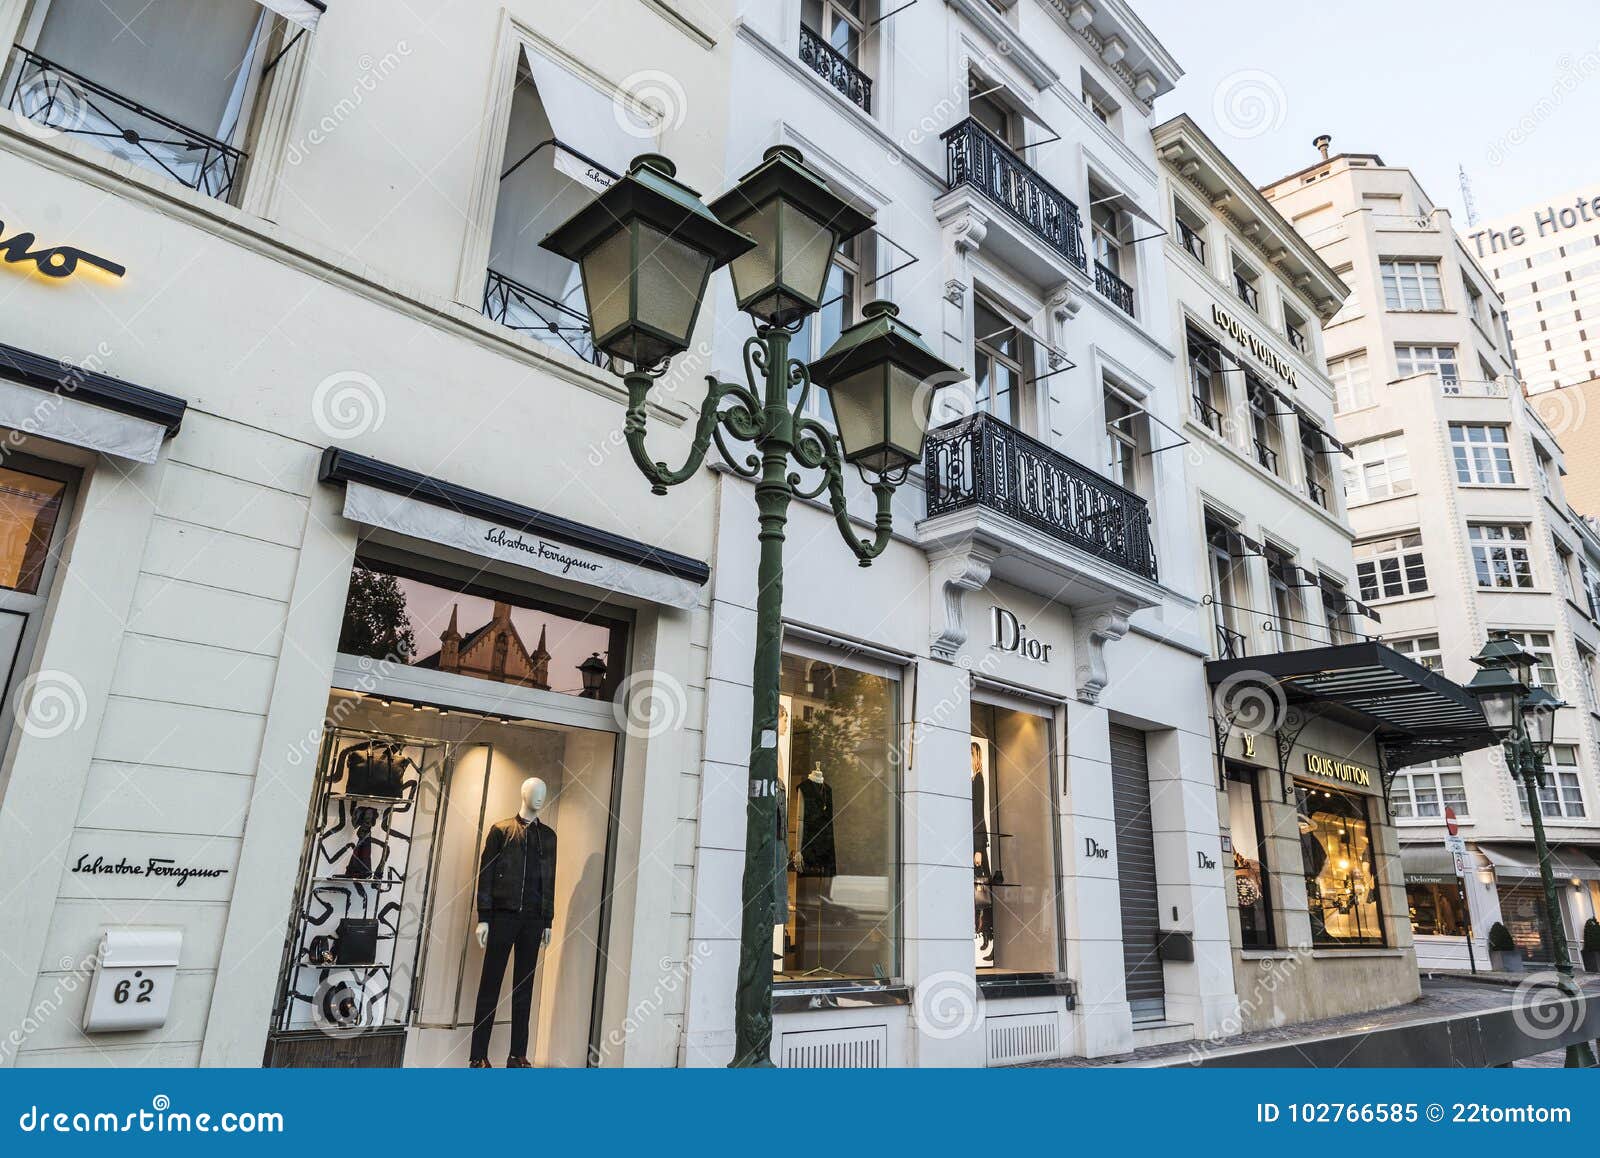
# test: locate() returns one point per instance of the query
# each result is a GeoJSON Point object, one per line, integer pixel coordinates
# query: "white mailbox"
{"type": "Point", "coordinates": [132, 987]}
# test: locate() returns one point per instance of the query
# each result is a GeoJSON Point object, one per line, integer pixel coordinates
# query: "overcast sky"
{"type": "Point", "coordinates": [1510, 91]}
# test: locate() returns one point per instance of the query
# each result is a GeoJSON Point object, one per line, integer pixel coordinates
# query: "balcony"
{"type": "Point", "coordinates": [835, 68]}
{"type": "Point", "coordinates": [1297, 338]}
{"type": "Point", "coordinates": [1112, 287]}
{"type": "Point", "coordinates": [1247, 292]}
{"type": "Point", "coordinates": [1266, 456]}
{"type": "Point", "coordinates": [1317, 493]}
{"type": "Point", "coordinates": [983, 462]}
{"type": "Point", "coordinates": [76, 106]}
{"type": "Point", "coordinates": [1192, 242]}
{"type": "Point", "coordinates": [1210, 417]}
{"type": "Point", "coordinates": [526, 310]}
{"type": "Point", "coordinates": [1231, 644]}
{"type": "Point", "coordinates": [977, 159]}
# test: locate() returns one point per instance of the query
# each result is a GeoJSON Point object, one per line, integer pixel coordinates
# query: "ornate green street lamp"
{"type": "Point", "coordinates": [646, 248]}
{"type": "Point", "coordinates": [1523, 718]}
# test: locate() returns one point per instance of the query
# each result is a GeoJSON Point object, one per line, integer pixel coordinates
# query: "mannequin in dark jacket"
{"type": "Point", "coordinates": [516, 903]}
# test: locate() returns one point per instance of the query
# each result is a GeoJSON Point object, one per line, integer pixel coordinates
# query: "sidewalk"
{"type": "Point", "coordinates": [1442, 997]}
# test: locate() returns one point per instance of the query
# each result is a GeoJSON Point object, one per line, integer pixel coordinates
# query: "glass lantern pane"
{"type": "Point", "coordinates": [807, 246]}
{"type": "Point", "coordinates": [756, 270]}
{"type": "Point", "coordinates": [671, 276]}
{"type": "Point", "coordinates": [858, 410]}
{"type": "Point", "coordinates": [908, 411]}
{"type": "Point", "coordinates": [607, 282]}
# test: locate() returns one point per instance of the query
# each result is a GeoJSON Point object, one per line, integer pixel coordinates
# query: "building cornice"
{"type": "Point", "coordinates": [1110, 29]}
{"type": "Point", "coordinates": [1032, 64]}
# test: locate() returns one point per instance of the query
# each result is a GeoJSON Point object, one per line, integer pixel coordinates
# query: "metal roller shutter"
{"type": "Point", "coordinates": [1136, 874]}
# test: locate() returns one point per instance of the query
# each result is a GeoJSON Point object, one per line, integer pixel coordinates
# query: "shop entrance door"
{"type": "Point", "coordinates": [1136, 874]}
{"type": "Point", "coordinates": [1526, 918]}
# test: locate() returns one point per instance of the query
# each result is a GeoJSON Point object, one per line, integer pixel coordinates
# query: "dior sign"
{"type": "Point", "coordinates": [1010, 634]}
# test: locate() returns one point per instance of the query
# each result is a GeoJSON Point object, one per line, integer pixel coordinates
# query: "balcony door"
{"type": "Point", "coordinates": [1000, 353]}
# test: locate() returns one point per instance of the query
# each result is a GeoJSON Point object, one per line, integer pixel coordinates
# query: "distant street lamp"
{"type": "Point", "coordinates": [646, 248]}
{"type": "Point", "coordinates": [1523, 718]}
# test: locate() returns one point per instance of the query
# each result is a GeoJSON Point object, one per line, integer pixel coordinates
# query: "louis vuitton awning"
{"type": "Point", "coordinates": [1414, 714]}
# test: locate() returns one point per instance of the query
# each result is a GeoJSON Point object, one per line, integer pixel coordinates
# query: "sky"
{"type": "Point", "coordinates": [1512, 92]}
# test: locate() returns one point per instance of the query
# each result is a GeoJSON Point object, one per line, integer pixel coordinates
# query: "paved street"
{"type": "Point", "coordinates": [1442, 997]}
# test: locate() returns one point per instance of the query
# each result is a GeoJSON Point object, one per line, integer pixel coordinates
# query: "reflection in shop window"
{"type": "Point", "coordinates": [838, 762]}
{"type": "Point", "coordinates": [1250, 880]}
{"type": "Point", "coordinates": [1437, 909]}
{"type": "Point", "coordinates": [29, 508]}
{"type": "Point", "coordinates": [1013, 848]}
{"type": "Point", "coordinates": [1340, 867]}
{"type": "Point", "coordinates": [468, 631]}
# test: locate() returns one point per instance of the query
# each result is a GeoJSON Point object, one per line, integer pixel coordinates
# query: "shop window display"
{"type": "Point", "coordinates": [838, 768]}
{"type": "Point", "coordinates": [1340, 868]}
{"type": "Point", "coordinates": [29, 508]}
{"type": "Point", "coordinates": [1251, 884]}
{"type": "Point", "coordinates": [1437, 909]}
{"type": "Point", "coordinates": [1013, 843]}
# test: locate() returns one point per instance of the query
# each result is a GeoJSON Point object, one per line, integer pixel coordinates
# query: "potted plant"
{"type": "Point", "coordinates": [1591, 945]}
{"type": "Point", "coordinates": [1504, 956]}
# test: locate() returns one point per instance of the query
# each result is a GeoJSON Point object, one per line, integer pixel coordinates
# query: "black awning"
{"type": "Point", "coordinates": [1414, 714]}
{"type": "Point", "coordinates": [58, 377]}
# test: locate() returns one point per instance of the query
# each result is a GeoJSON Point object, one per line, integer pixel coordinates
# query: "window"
{"type": "Point", "coordinates": [1247, 283]}
{"type": "Point", "coordinates": [1440, 360]}
{"type": "Point", "coordinates": [1264, 427]}
{"type": "Point", "coordinates": [1500, 555]}
{"type": "Point", "coordinates": [34, 506]}
{"type": "Point", "coordinates": [1335, 610]}
{"type": "Point", "coordinates": [1391, 568]}
{"type": "Point", "coordinates": [1208, 390]}
{"type": "Point", "coordinates": [397, 615]}
{"type": "Point", "coordinates": [1421, 649]}
{"type": "Point", "coordinates": [1123, 428]}
{"type": "Point", "coordinates": [1377, 469]}
{"type": "Point", "coordinates": [1542, 647]}
{"type": "Point", "coordinates": [1251, 879]}
{"type": "Point", "coordinates": [1099, 102]}
{"type": "Point", "coordinates": [1341, 868]}
{"type": "Point", "coordinates": [838, 23]}
{"type": "Point", "coordinates": [1013, 845]}
{"type": "Point", "coordinates": [1412, 285]}
{"type": "Point", "coordinates": [1227, 584]}
{"type": "Point", "coordinates": [1284, 579]}
{"type": "Point", "coordinates": [997, 363]}
{"type": "Point", "coordinates": [1352, 382]}
{"type": "Point", "coordinates": [1424, 791]}
{"type": "Point", "coordinates": [991, 113]}
{"type": "Point", "coordinates": [1105, 228]}
{"type": "Point", "coordinates": [1314, 461]}
{"type": "Point", "coordinates": [1478, 306]}
{"type": "Point", "coordinates": [838, 764]}
{"type": "Point", "coordinates": [1437, 908]}
{"type": "Point", "coordinates": [1482, 454]}
{"type": "Point", "coordinates": [1294, 328]}
{"type": "Point", "coordinates": [1567, 566]}
{"type": "Point", "coordinates": [1351, 308]}
{"type": "Point", "coordinates": [1586, 673]}
{"type": "Point", "coordinates": [841, 306]}
{"type": "Point", "coordinates": [1561, 793]}
{"type": "Point", "coordinates": [177, 82]}
{"type": "Point", "coordinates": [1191, 230]}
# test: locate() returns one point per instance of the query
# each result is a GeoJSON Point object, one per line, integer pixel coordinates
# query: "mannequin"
{"type": "Point", "coordinates": [816, 861]}
{"type": "Point", "coordinates": [516, 904]}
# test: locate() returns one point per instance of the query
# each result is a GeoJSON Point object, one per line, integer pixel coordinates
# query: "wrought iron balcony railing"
{"type": "Point", "coordinates": [1297, 339]}
{"type": "Point", "coordinates": [1113, 287]}
{"type": "Point", "coordinates": [975, 156]}
{"type": "Point", "coordinates": [526, 310]}
{"type": "Point", "coordinates": [980, 461]}
{"type": "Point", "coordinates": [1317, 493]}
{"type": "Point", "coordinates": [1267, 457]}
{"type": "Point", "coordinates": [1192, 241]}
{"type": "Point", "coordinates": [74, 105]}
{"type": "Point", "coordinates": [1231, 644]}
{"type": "Point", "coordinates": [1208, 414]}
{"type": "Point", "coordinates": [1248, 293]}
{"type": "Point", "coordinates": [835, 67]}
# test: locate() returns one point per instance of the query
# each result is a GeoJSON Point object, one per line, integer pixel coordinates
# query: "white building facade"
{"type": "Point", "coordinates": [1463, 531]}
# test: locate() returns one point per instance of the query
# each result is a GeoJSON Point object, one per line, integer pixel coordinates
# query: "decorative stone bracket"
{"type": "Point", "coordinates": [1092, 628]}
{"type": "Point", "coordinates": [952, 577]}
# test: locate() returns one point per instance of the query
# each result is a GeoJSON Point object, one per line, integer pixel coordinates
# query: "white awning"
{"type": "Point", "coordinates": [305, 13]}
{"type": "Point", "coordinates": [1521, 860]}
{"type": "Point", "coordinates": [80, 423]}
{"type": "Point", "coordinates": [989, 78]}
{"type": "Point", "coordinates": [586, 121]}
{"type": "Point", "coordinates": [1121, 202]}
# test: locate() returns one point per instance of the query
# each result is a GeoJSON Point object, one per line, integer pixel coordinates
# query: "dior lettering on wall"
{"type": "Point", "coordinates": [1262, 352]}
{"type": "Point", "coordinates": [1011, 634]}
{"type": "Point", "coordinates": [1332, 769]}
{"type": "Point", "coordinates": [155, 866]}
{"type": "Point", "coordinates": [1094, 850]}
{"type": "Point", "coordinates": [1203, 861]}
{"type": "Point", "coordinates": [58, 261]}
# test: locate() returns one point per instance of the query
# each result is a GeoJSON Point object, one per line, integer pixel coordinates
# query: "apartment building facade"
{"type": "Point", "coordinates": [1463, 531]}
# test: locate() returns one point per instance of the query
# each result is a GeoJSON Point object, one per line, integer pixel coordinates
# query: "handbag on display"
{"type": "Point", "coordinates": [320, 951]}
{"type": "Point", "coordinates": [374, 769]}
{"type": "Point", "coordinates": [356, 942]}
{"type": "Point", "coordinates": [341, 1006]}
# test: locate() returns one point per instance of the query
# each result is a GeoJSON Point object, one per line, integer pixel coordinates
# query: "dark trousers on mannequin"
{"type": "Point", "coordinates": [509, 933]}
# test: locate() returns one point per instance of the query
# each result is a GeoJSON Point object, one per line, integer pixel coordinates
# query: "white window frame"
{"type": "Point", "coordinates": [1501, 548]}
{"type": "Point", "coordinates": [1408, 568]}
{"type": "Point", "coordinates": [1351, 375]}
{"type": "Point", "coordinates": [1440, 783]}
{"type": "Point", "coordinates": [1542, 646]}
{"type": "Point", "coordinates": [1481, 454]}
{"type": "Point", "coordinates": [1411, 285]}
{"type": "Point", "coordinates": [1561, 796]}
{"type": "Point", "coordinates": [1420, 649]}
{"type": "Point", "coordinates": [1379, 468]}
{"type": "Point", "coordinates": [1441, 360]}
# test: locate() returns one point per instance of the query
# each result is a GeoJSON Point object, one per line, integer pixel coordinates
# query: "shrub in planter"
{"type": "Point", "coordinates": [1591, 945]}
{"type": "Point", "coordinates": [1504, 956]}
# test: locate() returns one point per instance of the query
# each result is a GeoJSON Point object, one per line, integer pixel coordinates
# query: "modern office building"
{"type": "Point", "coordinates": [1454, 487]}
{"type": "Point", "coordinates": [1544, 261]}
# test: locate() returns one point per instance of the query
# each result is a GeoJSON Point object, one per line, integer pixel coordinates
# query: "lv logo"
{"type": "Point", "coordinates": [1249, 741]}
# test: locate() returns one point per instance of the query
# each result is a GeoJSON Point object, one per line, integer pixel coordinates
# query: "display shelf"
{"type": "Point", "coordinates": [376, 884]}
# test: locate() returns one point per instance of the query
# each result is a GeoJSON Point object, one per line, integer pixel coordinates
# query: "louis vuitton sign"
{"type": "Point", "coordinates": [1259, 350]}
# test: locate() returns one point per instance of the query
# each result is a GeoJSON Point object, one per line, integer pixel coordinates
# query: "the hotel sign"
{"type": "Point", "coordinates": [1330, 768]}
{"type": "Point", "coordinates": [1259, 350]}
